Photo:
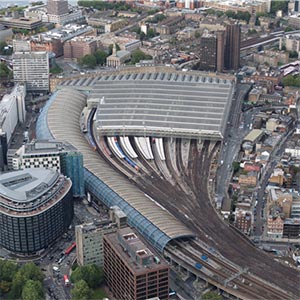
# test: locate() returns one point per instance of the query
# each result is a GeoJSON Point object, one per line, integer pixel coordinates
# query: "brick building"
{"type": "Point", "coordinates": [131, 270]}
{"type": "Point", "coordinates": [79, 47]}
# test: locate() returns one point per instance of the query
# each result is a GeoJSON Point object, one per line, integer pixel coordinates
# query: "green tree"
{"type": "Point", "coordinates": [291, 80]}
{"type": "Point", "coordinates": [212, 296]}
{"type": "Point", "coordinates": [235, 166]}
{"type": "Point", "coordinates": [31, 271]}
{"type": "Point", "coordinates": [110, 48]}
{"type": "Point", "coordinates": [88, 61]}
{"type": "Point", "coordinates": [8, 270]}
{"type": "Point", "coordinates": [279, 5]}
{"type": "Point", "coordinates": [101, 57]}
{"type": "Point", "coordinates": [243, 15]}
{"type": "Point", "coordinates": [197, 34]}
{"type": "Point", "coordinates": [210, 11]}
{"type": "Point", "coordinates": [17, 286]}
{"type": "Point", "coordinates": [293, 54]}
{"type": "Point", "coordinates": [91, 274]}
{"type": "Point", "coordinates": [219, 13]}
{"type": "Point", "coordinates": [230, 14]}
{"type": "Point", "coordinates": [288, 28]}
{"type": "Point", "coordinates": [5, 72]}
{"type": "Point", "coordinates": [32, 290]}
{"type": "Point", "coordinates": [81, 291]}
{"type": "Point", "coordinates": [138, 55]}
{"type": "Point", "coordinates": [151, 33]}
{"type": "Point", "coordinates": [37, 3]}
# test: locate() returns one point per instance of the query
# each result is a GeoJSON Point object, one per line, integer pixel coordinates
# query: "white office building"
{"type": "Point", "coordinates": [32, 69]}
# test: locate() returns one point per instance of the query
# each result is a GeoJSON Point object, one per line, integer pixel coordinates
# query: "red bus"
{"type": "Point", "coordinates": [66, 280]}
{"type": "Point", "coordinates": [70, 249]}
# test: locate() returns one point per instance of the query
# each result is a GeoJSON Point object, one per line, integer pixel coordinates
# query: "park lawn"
{"type": "Point", "coordinates": [98, 294]}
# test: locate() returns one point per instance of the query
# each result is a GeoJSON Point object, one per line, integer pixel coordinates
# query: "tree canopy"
{"type": "Point", "coordinates": [279, 5]}
{"type": "Point", "coordinates": [101, 57]}
{"type": "Point", "coordinates": [105, 5]}
{"type": "Point", "coordinates": [138, 55]}
{"type": "Point", "coordinates": [88, 61]}
{"type": "Point", "coordinates": [5, 72]}
{"type": "Point", "coordinates": [91, 274]}
{"type": "Point", "coordinates": [291, 80]}
{"type": "Point", "coordinates": [81, 291]}
{"type": "Point", "coordinates": [240, 15]}
{"type": "Point", "coordinates": [32, 290]}
{"type": "Point", "coordinates": [18, 282]}
{"type": "Point", "coordinates": [4, 49]}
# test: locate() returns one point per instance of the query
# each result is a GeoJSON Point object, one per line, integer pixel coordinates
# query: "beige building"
{"type": "Point", "coordinates": [275, 226]}
{"type": "Point", "coordinates": [272, 124]}
{"type": "Point", "coordinates": [273, 58]}
{"type": "Point", "coordinates": [291, 42]}
{"type": "Point", "coordinates": [249, 180]}
{"type": "Point", "coordinates": [277, 177]}
{"type": "Point", "coordinates": [89, 242]}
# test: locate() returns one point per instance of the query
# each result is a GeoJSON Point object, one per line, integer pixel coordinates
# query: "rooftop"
{"type": "Point", "coordinates": [46, 147]}
{"type": "Point", "coordinates": [134, 251]}
{"type": "Point", "coordinates": [32, 190]}
{"type": "Point", "coordinates": [56, 122]}
{"type": "Point", "coordinates": [163, 104]}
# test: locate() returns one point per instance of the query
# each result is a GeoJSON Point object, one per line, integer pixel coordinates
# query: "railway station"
{"type": "Point", "coordinates": [162, 105]}
{"type": "Point", "coordinates": [165, 194]}
{"type": "Point", "coordinates": [56, 122]}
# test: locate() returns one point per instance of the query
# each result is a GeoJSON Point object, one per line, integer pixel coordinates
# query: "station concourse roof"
{"type": "Point", "coordinates": [60, 120]}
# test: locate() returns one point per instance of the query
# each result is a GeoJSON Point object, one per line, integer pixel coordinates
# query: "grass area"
{"type": "Point", "coordinates": [98, 294]}
{"type": "Point", "coordinates": [56, 70]}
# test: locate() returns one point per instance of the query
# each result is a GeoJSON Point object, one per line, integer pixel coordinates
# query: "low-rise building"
{"type": "Point", "coordinates": [273, 58]}
{"type": "Point", "coordinates": [275, 226]}
{"type": "Point", "coordinates": [21, 23]}
{"type": "Point", "coordinates": [118, 58]}
{"type": "Point", "coordinates": [249, 179]}
{"type": "Point", "coordinates": [291, 229]}
{"type": "Point", "coordinates": [294, 21]}
{"type": "Point", "coordinates": [243, 220]}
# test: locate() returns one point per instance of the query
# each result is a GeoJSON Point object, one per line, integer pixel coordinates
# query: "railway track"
{"type": "Point", "coordinates": [194, 209]}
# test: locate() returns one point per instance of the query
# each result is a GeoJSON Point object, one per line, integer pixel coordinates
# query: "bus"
{"type": "Point", "coordinates": [70, 249]}
{"type": "Point", "coordinates": [66, 280]}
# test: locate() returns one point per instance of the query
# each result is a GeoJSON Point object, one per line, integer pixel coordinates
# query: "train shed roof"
{"type": "Point", "coordinates": [60, 120]}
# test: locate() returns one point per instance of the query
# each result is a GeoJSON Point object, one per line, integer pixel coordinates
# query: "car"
{"type": "Point", "coordinates": [43, 269]}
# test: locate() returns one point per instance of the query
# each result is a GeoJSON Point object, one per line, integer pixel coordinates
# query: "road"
{"type": "Point", "coordinates": [232, 142]}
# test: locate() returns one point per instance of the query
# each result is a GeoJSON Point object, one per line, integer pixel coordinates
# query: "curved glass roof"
{"type": "Point", "coordinates": [60, 120]}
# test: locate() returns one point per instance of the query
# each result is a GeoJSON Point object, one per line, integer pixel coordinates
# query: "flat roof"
{"type": "Point", "coordinates": [162, 104]}
{"type": "Point", "coordinates": [134, 251]}
{"type": "Point", "coordinates": [253, 135]}
{"type": "Point", "coordinates": [24, 185]}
